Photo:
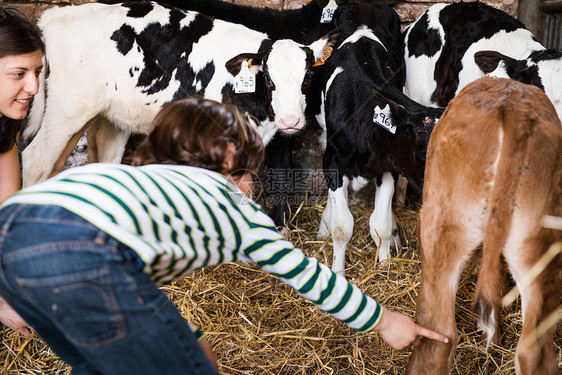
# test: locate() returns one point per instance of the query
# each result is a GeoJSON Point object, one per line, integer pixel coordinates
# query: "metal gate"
{"type": "Point", "coordinates": [550, 29]}
{"type": "Point", "coordinates": [543, 18]}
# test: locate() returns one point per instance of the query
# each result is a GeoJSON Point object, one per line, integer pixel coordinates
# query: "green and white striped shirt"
{"type": "Point", "coordinates": [179, 219]}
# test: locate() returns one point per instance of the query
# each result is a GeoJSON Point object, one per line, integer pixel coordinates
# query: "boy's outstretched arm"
{"type": "Point", "coordinates": [399, 331]}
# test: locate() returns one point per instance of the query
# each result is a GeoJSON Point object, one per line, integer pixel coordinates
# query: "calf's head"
{"type": "Point", "coordinates": [406, 149]}
{"type": "Point", "coordinates": [542, 69]}
{"type": "Point", "coordinates": [287, 71]}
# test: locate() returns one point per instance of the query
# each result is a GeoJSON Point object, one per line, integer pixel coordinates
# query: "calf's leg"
{"type": "Point", "coordinates": [382, 223]}
{"type": "Point", "coordinates": [46, 155]}
{"type": "Point", "coordinates": [340, 224]}
{"type": "Point", "coordinates": [446, 245]}
{"type": "Point", "coordinates": [540, 300]}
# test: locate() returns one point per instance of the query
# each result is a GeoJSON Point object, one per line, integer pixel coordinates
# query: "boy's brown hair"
{"type": "Point", "coordinates": [196, 132]}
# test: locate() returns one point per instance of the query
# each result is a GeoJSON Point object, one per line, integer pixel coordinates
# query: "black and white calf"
{"type": "Point", "coordinates": [111, 67]}
{"type": "Point", "coordinates": [451, 45]}
{"type": "Point", "coordinates": [303, 25]}
{"type": "Point", "coordinates": [372, 129]}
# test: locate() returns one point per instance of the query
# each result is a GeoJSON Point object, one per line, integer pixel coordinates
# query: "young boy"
{"type": "Point", "coordinates": [82, 254]}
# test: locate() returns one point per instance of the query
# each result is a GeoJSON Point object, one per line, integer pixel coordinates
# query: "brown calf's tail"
{"type": "Point", "coordinates": [512, 150]}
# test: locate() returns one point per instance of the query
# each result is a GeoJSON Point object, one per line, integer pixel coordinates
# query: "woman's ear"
{"type": "Point", "coordinates": [228, 162]}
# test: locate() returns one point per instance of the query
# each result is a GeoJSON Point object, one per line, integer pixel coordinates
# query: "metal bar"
{"type": "Point", "coordinates": [544, 34]}
{"type": "Point", "coordinates": [550, 30]}
{"type": "Point", "coordinates": [529, 14]}
{"type": "Point", "coordinates": [558, 30]}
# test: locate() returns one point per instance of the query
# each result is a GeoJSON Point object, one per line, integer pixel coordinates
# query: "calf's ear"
{"type": "Point", "coordinates": [255, 62]}
{"type": "Point", "coordinates": [496, 63]}
{"type": "Point", "coordinates": [322, 48]}
{"type": "Point", "coordinates": [488, 61]}
{"type": "Point", "coordinates": [398, 111]}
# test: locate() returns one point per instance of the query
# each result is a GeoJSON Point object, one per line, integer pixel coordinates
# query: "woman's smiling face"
{"type": "Point", "coordinates": [19, 82]}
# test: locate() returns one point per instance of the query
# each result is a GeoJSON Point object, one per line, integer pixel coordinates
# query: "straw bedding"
{"type": "Point", "coordinates": [258, 325]}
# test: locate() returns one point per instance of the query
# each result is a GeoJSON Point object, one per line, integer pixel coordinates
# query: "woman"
{"type": "Point", "coordinates": [82, 253]}
{"type": "Point", "coordinates": [21, 50]}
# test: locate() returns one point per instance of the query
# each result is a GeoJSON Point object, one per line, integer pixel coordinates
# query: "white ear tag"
{"type": "Point", "coordinates": [245, 81]}
{"type": "Point", "coordinates": [500, 71]}
{"type": "Point", "coordinates": [382, 117]}
{"type": "Point", "coordinates": [328, 12]}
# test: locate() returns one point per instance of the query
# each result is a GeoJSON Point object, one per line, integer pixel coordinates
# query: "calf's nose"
{"type": "Point", "coordinates": [290, 122]}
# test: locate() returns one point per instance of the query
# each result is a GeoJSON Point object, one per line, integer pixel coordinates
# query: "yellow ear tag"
{"type": "Point", "coordinates": [327, 53]}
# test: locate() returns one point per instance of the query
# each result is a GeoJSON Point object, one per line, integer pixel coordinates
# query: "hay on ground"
{"type": "Point", "coordinates": [258, 325]}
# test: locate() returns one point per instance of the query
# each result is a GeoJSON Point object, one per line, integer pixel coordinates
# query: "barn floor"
{"type": "Point", "coordinates": [258, 325]}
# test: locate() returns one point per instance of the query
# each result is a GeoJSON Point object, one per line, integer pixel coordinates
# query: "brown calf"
{"type": "Point", "coordinates": [494, 169]}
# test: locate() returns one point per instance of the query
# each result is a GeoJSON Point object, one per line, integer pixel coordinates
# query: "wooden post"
{"type": "Point", "coordinates": [552, 6]}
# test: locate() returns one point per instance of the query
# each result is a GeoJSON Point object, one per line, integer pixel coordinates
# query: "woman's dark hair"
{"type": "Point", "coordinates": [18, 35]}
{"type": "Point", "coordinates": [197, 132]}
{"type": "Point", "coordinates": [9, 130]}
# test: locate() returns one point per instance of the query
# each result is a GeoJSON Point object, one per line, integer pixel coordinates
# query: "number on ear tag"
{"type": "Point", "coordinates": [382, 117]}
{"type": "Point", "coordinates": [328, 12]}
{"type": "Point", "coordinates": [244, 81]}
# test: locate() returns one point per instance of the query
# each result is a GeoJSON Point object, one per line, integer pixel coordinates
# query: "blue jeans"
{"type": "Point", "coordinates": [84, 293]}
